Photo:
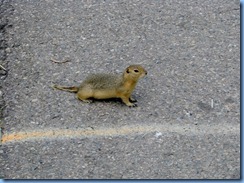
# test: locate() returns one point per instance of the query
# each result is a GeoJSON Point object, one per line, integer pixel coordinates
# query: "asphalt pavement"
{"type": "Point", "coordinates": [187, 123]}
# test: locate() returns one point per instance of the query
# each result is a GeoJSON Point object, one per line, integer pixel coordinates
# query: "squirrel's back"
{"type": "Point", "coordinates": [102, 81]}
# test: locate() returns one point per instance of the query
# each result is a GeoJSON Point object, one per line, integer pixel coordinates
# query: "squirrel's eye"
{"type": "Point", "coordinates": [136, 70]}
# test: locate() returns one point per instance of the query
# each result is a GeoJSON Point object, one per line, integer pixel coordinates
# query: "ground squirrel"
{"type": "Point", "coordinates": [105, 86]}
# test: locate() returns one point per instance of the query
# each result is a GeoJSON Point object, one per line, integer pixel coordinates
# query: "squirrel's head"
{"type": "Point", "coordinates": [135, 72]}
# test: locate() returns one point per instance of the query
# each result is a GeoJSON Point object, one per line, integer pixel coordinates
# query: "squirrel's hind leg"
{"type": "Point", "coordinates": [84, 95]}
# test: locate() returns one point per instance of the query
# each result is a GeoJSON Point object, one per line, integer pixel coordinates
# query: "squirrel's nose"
{"type": "Point", "coordinates": [146, 72]}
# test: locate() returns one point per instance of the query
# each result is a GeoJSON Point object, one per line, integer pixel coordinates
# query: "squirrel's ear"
{"type": "Point", "coordinates": [127, 70]}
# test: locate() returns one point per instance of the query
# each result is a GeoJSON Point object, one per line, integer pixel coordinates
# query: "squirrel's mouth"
{"type": "Point", "coordinates": [143, 75]}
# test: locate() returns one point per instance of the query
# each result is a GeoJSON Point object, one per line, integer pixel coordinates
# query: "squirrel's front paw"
{"type": "Point", "coordinates": [132, 105]}
{"type": "Point", "coordinates": [132, 100]}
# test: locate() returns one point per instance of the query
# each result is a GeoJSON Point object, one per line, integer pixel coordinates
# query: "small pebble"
{"type": "Point", "coordinates": [8, 50]}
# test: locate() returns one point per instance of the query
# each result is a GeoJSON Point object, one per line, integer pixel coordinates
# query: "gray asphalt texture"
{"type": "Point", "coordinates": [191, 50]}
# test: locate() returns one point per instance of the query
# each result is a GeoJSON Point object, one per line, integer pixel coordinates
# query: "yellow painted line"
{"type": "Point", "coordinates": [119, 131]}
{"type": "Point", "coordinates": [71, 133]}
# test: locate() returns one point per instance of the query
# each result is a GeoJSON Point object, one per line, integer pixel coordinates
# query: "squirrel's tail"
{"type": "Point", "coordinates": [73, 89]}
